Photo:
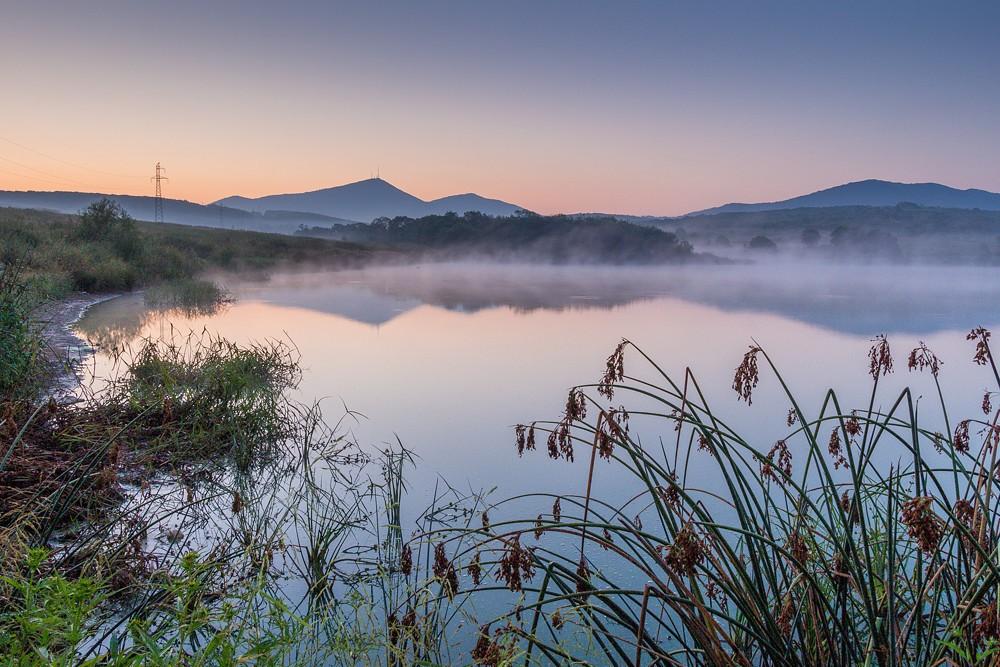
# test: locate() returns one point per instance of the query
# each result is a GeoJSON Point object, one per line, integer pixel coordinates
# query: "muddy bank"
{"type": "Point", "coordinates": [65, 351]}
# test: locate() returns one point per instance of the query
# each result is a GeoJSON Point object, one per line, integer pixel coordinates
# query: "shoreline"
{"type": "Point", "coordinates": [65, 351]}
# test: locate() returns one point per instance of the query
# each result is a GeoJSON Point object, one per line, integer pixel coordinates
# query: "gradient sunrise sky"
{"type": "Point", "coordinates": [655, 108]}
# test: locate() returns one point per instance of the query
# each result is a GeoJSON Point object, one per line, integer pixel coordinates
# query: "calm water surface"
{"type": "Point", "coordinates": [449, 357]}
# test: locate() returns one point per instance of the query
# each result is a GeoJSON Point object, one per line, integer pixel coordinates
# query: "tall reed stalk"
{"type": "Point", "coordinates": [807, 551]}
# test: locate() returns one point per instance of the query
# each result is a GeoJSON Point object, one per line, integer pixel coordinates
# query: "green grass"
{"type": "Point", "coordinates": [63, 254]}
{"type": "Point", "coordinates": [149, 523]}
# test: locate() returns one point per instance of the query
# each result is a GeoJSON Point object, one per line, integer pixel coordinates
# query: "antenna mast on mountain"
{"type": "Point", "coordinates": [158, 200]}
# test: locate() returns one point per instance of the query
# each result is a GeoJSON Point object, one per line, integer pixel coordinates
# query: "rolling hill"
{"type": "Point", "coordinates": [369, 199]}
{"type": "Point", "coordinates": [174, 210]}
{"type": "Point", "coordinates": [874, 193]}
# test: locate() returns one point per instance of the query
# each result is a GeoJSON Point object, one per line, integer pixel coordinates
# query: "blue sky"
{"type": "Point", "coordinates": [558, 106]}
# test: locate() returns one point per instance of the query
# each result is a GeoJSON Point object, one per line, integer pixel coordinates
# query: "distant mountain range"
{"type": "Point", "coordinates": [372, 198]}
{"type": "Point", "coordinates": [174, 210]}
{"type": "Point", "coordinates": [874, 193]}
{"type": "Point", "coordinates": [369, 199]}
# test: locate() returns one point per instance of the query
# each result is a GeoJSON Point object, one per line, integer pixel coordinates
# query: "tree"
{"type": "Point", "coordinates": [762, 243]}
{"type": "Point", "coordinates": [810, 236]}
{"type": "Point", "coordinates": [106, 220]}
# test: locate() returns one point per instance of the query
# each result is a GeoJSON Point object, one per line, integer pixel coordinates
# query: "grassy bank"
{"type": "Point", "coordinates": [104, 250]}
{"type": "Point", "coordinates": [148, 522]}
{"type": "Point", "coordinates": [158, 520]}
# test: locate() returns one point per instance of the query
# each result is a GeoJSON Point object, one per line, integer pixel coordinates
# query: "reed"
{"type": "Point", "coordinates": [807, 551]}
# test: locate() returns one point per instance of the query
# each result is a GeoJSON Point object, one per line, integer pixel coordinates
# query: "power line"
{"type": "Point", "coordinates": [62, 179]}
{"type": "Point", "coordinates": [158, 201]}
{"type": "Point", "coordinates": [33, 178]}
{"type": "Point", "coordinates": [66, 162]}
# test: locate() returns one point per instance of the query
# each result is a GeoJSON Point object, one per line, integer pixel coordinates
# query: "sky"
{"type": "Point", "coordinates": [630, 107]}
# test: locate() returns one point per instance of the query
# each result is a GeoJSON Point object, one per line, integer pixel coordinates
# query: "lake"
{"type": "Point", "coordinates": [449, 358]}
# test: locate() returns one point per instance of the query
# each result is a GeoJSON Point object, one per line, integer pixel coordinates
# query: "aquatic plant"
{"type": "Point", "coordinates": [862, 536]}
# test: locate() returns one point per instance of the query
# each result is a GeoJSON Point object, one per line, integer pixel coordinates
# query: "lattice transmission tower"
{"type": "Point", "coordinates": [158, 200]}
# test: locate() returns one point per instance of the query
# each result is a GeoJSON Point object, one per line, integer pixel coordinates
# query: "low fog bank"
{"type": "Point", "coordinates": [856, 300]}
{"type": "Point", "coordinates": [902, 234]}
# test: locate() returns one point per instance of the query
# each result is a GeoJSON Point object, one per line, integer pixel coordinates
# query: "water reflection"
{"type": "Point", "coordinates": [449, 358]}
{"type": "Point", "coordinates": [121, 320]}
{"type": "Point", "coordinates": [849, 299]}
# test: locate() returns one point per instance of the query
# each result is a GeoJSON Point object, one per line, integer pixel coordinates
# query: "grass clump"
{"type": "Point", "coordinates": [189, 295]}
{"type": "Point", "coordinates": [167, 405]}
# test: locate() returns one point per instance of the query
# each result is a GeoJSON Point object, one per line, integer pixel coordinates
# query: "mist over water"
{"type": "Point", "coordinates": [450, 357]}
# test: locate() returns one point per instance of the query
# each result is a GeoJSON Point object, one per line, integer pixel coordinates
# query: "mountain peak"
{"type": "Point", "coordinates": [369, 199]}
{"type": "Point", "coordinates": [874, 192]}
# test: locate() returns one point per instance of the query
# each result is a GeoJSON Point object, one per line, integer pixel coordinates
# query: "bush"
{"type": "Point", "coordinates": [19, 341]}
{"type": "Point", "coordinates": [106, 220]}
{"type": "Point", "coordinates": [101, 274]}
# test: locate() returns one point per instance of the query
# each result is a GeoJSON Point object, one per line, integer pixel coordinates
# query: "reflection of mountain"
{"type": "Point", "coordinates": [857, 301]}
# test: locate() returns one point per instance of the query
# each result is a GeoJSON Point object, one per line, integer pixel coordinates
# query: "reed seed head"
{"type": "Point", "coordinates": [921, 357]}
{"type": "Point", "coordinates": [836, 450]}
{"type": "Point", "coordinates": [747, 375]}
{"type": "Point", "coordinates": [879, 357]}
{"type": "Point", "coordinates": [517, 563]}
{"type": "Point", "coordinates": [686, 553]}
{"type": "Point", "coordinates": [406, 560]}
{"type": "Point", "coordinates": [982, 338]}
{"type": "Point", "coordinates": [783, 463]}
{"type": "Point", "coordinates": [475, 570]}
{"type": "Point", "coordinates": [576, 406]}
{"type": "Point", "coordinates": [583, 585]}
{"type": "Point", "coordinates": [798, 548]}
{"type": "Point", "coordinates": [614, 371]}
{"type": "Point", "coordinates": [961, 440]}
{"type": "Point", "coordinates": [922, 524]}
{"type": "Point", "coordinates": [487, 651]}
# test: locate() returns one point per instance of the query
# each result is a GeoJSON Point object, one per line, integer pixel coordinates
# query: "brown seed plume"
{"type": "Point", "coordinates": [747, 375]}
